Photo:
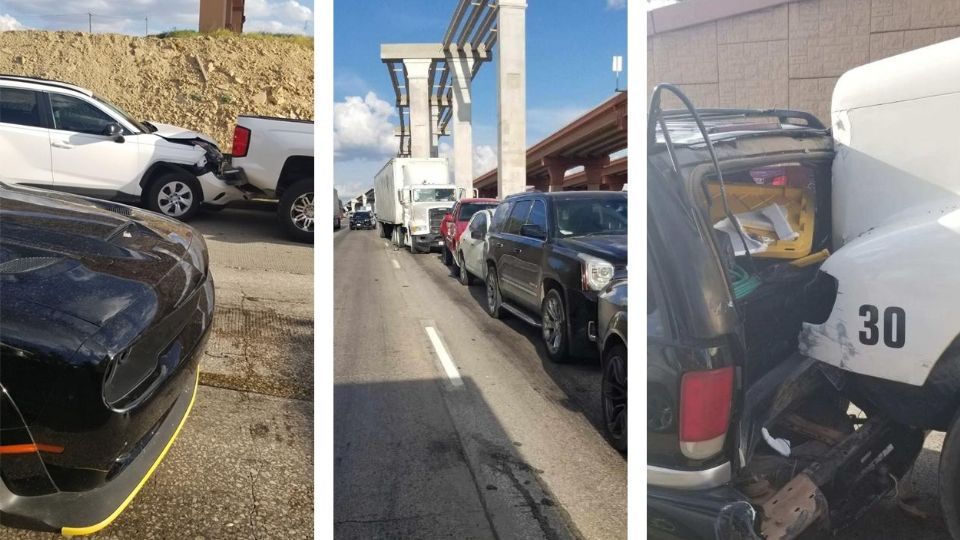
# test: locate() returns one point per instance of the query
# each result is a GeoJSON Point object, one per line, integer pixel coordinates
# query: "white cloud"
{"type": "Point", "coordinates": [616, 4]}
{"type": "Point", "coordinates": [362, 128]}
{"type": "Point", "coordinates": [484, 159]}
{"type": "Point", "coordinates": [7, 22]}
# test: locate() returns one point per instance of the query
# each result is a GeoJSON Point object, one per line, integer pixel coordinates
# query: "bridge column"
{"type": "Point", "coordinates": [462, 67]}
{"type": "Point", "coordinates": [556, 169]}
{"type": "Point", "coordinates": [511, 97]}
{"type": "Point", "coordinates": [421, 115]}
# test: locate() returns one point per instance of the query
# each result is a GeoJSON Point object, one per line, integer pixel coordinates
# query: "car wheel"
{"type": "Point", "coordinates": [296, 211]}
{"type": "Point", "coordinates": [176, 195]}
{"type": "Point", "coordinates": [463, 275]}
{"type": "Point", "coordinates": [613, 398]}
{"type": "Point", "coordinates": [447, 256]}
{"type": "Point", "coordinates": [493, 294]}
{"type": "Point", "coordinates": [554, 326]}
{"type": "Point", "coordinates": [950, 478]}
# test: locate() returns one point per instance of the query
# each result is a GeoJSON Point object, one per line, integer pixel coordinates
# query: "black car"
{"type": "Point", "coordinates": [612, 344]}
{"type": "Point", "coordinates": [362, 220]}
{"type": "Point", "coordinates": [549, 256]}
{"type": "Point", "coordinates": [746, 436]}
{"type": "Point", "coordinates": [104, 314]}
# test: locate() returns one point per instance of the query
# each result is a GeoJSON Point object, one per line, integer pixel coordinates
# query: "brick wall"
{"type": "Point", "coordinates": [791, 55]}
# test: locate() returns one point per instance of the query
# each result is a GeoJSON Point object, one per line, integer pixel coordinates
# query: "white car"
{"type": "Point", "coordinates": [472, 247]}
{"type": "Point", "coordinates": [63, 137]}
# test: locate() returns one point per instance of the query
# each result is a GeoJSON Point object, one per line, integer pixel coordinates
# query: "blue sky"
{"type": "Point", "coordinates": [569, 48]}
{"type": "Point", "coordinates": [127, 16]}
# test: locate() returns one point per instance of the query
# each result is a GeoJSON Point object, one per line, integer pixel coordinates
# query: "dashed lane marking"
{"type": "Point", "coordinates": [445, 360]}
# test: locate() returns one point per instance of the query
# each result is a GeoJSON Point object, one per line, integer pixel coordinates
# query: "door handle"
{"type": "Point", "coordinates": [61, 145]}
{"type": "Point", "coordinates": [499, 244]}
{"type": "Point", "coordinates": [517, 251]}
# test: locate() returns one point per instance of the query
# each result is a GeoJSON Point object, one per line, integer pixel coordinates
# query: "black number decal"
{"type": "Point", "coordinates": [894, 326]}
{"type": "Point", "coordinates": [873, 315]}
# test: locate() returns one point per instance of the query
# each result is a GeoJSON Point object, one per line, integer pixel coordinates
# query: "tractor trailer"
{"type": "Point", "coordinates": [413, 195]}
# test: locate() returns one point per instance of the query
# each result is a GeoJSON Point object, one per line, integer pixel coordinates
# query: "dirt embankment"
{"type": "Point", "coordinates": [201, 83]}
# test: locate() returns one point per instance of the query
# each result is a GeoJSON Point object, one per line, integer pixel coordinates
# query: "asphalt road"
{"type": "Point", "coordinates": [243, 464]}
{"type": "Point", "coordinates": [508, 447]}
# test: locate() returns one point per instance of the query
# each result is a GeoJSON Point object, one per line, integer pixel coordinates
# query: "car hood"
{"type": "Point", "coordinates": [168, 131]}
{"type": "Point", "coordinates": [610, 247]}
{"type": "Point", "coordinates": [92, 259]}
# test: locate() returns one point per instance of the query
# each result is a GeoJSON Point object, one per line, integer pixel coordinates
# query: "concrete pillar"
{"type": "Point", "coordinates": [556, 169]}
{"type": "Point", "coordinates": [418, 95]}
{"type": "Point", "coordinates": [511, 97]}
{"type": "Point", "coordinates": [461, 67]}
{"type": "Point", "coordinates": [434, 129]}
{"type": "Point", "coordinates": [594, 170]}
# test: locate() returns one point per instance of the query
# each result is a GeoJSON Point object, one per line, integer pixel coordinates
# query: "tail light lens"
{"type": "Point", "coordinates": [241, 141]}
{"type": "Point", "coordinates": [705, 401]}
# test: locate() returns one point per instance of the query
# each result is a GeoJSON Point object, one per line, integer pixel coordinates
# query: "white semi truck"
{"type": "Point", "coordinates": [413, 195]}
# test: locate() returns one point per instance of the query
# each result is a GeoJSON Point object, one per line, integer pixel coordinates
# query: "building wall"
{"type": "Point", "coordinates": [792, 54]}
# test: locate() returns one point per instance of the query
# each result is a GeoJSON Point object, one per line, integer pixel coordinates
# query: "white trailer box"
{"type": "Point", "coordinates": [413, 195]}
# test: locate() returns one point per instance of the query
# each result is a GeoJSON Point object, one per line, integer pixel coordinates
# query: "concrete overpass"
{"type": "Point", "coordinates": [588, 141]}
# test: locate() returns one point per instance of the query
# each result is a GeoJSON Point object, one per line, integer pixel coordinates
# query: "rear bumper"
{"type": "Point", "coordinates": [217, 192]}
{"type": "Point", "coordinates": [721, 513]}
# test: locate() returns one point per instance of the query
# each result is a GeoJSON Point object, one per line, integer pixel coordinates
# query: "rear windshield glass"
{"type": "Point", "coordinates": [469, 209]}
{"type": "Point", "coordinates": [583, 217]}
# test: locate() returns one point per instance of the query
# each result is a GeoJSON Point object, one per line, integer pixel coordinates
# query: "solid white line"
{"type": "Point", "coordinates": [395, 263]}
{"type": "Point", "coordinates": [444, 356]}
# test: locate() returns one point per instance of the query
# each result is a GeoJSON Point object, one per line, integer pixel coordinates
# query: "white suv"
{"type": "Point", "coordinates": [60, 136]}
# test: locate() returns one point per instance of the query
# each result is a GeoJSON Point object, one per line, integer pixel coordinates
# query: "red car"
{"type": "Point", "coordinates": [455, 222]}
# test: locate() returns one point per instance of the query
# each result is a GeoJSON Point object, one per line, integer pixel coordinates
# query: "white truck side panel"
{"type": "Point", "coordinates": [272, 141]}
{"type": "Point", "coordinates": [896, 218]}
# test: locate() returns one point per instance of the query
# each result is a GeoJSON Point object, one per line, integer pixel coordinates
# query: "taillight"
{"type": "Point", "coordinates": [241, 141]}
{"type": "Point", "coordinates": [705, 401]}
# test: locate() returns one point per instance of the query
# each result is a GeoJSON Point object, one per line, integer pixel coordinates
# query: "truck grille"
{"type": "Point", "coordinates": [436, 216]}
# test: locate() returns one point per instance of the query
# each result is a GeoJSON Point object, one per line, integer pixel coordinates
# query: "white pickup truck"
{"type": "Point", "coordinates": [275, 158]}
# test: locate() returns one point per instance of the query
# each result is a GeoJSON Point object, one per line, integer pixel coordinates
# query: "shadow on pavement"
{"type": "Point", "coordinates": [242, 222]}
{"type": "Point", "coordinates": [402, 469]}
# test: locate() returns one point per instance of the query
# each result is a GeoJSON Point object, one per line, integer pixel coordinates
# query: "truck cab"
{"type": "Point", "coordinates": [799, 344]}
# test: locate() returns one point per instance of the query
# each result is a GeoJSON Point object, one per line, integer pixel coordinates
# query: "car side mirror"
{"type": "Point", "coordinates": [114, 131]}
{"type": "Point", "coordinates": [533, 231]}
{"type": "Point", "coordinates": [476, 234]}
{"type": "Point", "coordinates": [448, 217]}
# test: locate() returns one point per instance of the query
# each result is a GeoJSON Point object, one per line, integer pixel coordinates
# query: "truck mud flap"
{"type": "Point", "coordinates": [846, 482]}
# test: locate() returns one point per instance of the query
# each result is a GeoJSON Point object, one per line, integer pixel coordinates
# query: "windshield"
{"type": "Point", "coordinates": [581, 217]}
{"type": "Point", "coordinates": [119, 112]}
{"type": "Point", "coordinates": [362, 215]}
{"type": "Point", "coordinates": [469, 209]}
{"type": "Point", "coordinates": [434, 195]}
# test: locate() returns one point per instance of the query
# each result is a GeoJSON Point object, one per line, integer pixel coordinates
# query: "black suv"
{"type": "Point", "coordinates": [549, 256]}
{"type": "Point", "coordinates": [361, 220]}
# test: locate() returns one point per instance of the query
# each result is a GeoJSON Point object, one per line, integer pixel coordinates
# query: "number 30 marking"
{"type": "Point", "coordinates": [894, 326]}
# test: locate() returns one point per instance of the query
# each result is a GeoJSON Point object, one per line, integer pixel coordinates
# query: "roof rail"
{"type": "Point", "coordinates": [47, 82]}
{"type": "Point", "coordinates": [785, 116]}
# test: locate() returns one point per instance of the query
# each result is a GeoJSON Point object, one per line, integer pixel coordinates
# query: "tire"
{"type": "Point", "coordinates": [176, 195]}
{"type": "Point", "coordinates": [613, 396]}
{"type": "Point", "coordinates": [463, 276]}
{"type": "Point", "coordinates": [295, 212]}
{"type": "Point", "coordinates": [553, 316]}
{"type": "Point", "coordinates": [447, 256]}
{"type": "Point", "coordinates": [494, 300]}
{"type": "Point", "coordinates": [950, 477]}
